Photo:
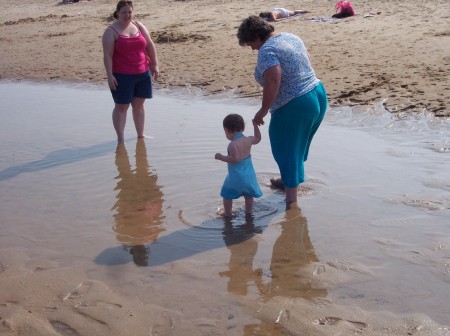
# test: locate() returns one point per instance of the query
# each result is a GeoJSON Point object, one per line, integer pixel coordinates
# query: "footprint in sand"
{"type": "Point", "coordinates": [64, 329]}
{"type": "Point", "coordinates": [81, 289]}
{"type": "Point", "coordinates": [5, 326]}
{"type": "Point", "coordinates": [336, 320]}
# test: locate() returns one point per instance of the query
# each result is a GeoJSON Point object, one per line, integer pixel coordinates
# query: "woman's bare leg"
{"type": "Point", "coordinates": [291, 196]}
{"type": "Point", "coordinates": [227, 207]}
{"type": "Point", "coordinates": [119, 118]}
{"type": "Point", "coordinates": [248, 205]}
{"type": "Point", "coordinates": [139, 115]}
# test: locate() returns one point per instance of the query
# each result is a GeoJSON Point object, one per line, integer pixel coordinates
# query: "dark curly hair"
{"type": "Point", "coordinates": [265, 15]}
{"type": "Point", "coordinates": [234, 123]}
{"type": "Point", "coordinates": [253, 27]}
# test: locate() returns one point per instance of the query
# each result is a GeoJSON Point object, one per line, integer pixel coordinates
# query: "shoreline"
{"type": "Point", "coordinates": [187, 92]}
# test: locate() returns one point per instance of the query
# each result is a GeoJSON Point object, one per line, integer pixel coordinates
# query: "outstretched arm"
{"type": "Point", "coordinates": [272, 80]}
{"type": "Point", "coordinates": [299, 11]}
{"type": "Point", "coordinates": [256, 133]}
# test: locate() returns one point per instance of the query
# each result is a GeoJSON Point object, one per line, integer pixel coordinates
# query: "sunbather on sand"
{"type": "Point", "coordinates": [277, 14]}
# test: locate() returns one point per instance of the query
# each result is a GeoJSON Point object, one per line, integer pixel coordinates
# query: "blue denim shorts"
{"type": "Point", "coordinates": [130, 86]}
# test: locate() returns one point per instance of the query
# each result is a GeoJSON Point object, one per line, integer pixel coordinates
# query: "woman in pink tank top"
{"type": "Point", "coordinates": [131, 62]}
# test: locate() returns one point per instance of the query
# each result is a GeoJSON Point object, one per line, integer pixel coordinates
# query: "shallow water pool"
{"type": "Point", "coordinates": [371, 230]}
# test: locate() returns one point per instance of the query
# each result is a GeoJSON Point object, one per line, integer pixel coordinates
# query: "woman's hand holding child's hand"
{"type": "Point", "coordinates": [259, 117]}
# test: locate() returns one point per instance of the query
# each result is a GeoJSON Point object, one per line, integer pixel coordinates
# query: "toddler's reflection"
{"type": "Point", "coordinates": [138, 210]}
{"type": "Point", "coordinates": [291, 253]}
{"type": "Point", "coordinates": [243, 249]}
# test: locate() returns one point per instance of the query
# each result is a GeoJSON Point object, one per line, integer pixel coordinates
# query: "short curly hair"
{"type": "Point", "coordinates": [252, 28]}
{"type": "Point", "coordinates": [234, 123]}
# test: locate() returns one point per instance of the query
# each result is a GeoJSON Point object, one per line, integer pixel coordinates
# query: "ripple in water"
{"type": "Point", "coordinates": [239, 225]}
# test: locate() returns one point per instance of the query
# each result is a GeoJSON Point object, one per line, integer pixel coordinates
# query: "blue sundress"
{"type": "Point", "coordinates": [241, 179]}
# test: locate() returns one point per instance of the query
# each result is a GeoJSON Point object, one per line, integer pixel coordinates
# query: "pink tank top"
{"type": "Point", "coordinates": [130, 56]}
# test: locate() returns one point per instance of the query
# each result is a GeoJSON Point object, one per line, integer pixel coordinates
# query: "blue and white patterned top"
{"type": "Point", "coordinates": [297, 75]}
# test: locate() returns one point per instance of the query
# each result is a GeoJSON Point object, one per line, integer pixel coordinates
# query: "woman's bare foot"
{"type": "Point", "coordinates": [145, 137]}
{"type": "Point", "coordinates": [277, 183]}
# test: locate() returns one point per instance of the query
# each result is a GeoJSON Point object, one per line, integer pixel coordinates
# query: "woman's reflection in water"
{"type": "Point", "coordinates": [291, 254]}
{"type": "Point", "coordinates": [138, 211]}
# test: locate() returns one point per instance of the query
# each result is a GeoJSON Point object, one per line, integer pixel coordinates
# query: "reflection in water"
{"type": "Point", "coordinates": [138, 215]}
{"type": "Point", "coordinates": [243, 249]}
{"type": "Point", "coordinates": [291, 253]}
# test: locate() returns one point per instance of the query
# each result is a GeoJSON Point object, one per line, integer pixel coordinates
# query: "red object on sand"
{"type": "Point", "coordinates": [345, 8]}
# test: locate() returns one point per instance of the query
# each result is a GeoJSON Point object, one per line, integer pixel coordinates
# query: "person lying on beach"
{"type": "Point", "coordinates": [280, 13]}
{"type": "Point", "coordinates": [241, 179]}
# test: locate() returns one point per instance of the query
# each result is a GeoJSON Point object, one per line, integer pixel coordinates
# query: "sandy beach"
{"type": "Point", "coordinates": [391, 51]}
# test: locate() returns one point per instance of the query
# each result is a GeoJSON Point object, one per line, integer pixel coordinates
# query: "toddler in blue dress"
{"type": "Point", "coordinates": [241, 178]}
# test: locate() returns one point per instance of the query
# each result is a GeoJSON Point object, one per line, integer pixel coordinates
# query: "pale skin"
{"type": "Point", "coordinates": [238, 150]}
{"type": "Point", "coordinates": [124, 26]}
{"type": "Point", "coordinates": [276, 15]}
{"type": "Point", "coordinates": [272, 80]}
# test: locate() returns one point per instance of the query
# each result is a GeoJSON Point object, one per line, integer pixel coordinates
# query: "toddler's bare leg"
{"type": "Point", "coordinates": [227, 207]}
{"type": "Point", "coordinates": [248, 205]}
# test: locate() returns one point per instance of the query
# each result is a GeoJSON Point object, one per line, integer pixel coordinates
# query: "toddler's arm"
{"type": "Point", "coordinates": [256, 133]}
{"type": "Point", "coordinates": [233, 154]}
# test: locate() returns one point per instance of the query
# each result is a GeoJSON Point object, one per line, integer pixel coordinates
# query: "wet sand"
{"type": "Point", "coordinates": [111, 241]}
{"type": "Point", "coordinates": [399, 56]}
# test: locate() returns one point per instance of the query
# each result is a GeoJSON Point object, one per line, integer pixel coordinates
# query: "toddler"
{"type": "Point", "coordinates": [241, 178]}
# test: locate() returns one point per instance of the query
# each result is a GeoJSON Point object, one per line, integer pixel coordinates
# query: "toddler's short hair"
{"type": "Point", "coordinates": [234, 123]}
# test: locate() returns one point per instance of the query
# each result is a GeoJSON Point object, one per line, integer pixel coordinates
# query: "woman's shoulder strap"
{"type": "Point", "coordinates": [114, 29]}
{"type": "Point", "coordinates": [138, 25]}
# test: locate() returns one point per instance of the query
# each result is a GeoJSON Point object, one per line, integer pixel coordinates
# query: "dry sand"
{"type": "Point", "coordinates": [400, 56]}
